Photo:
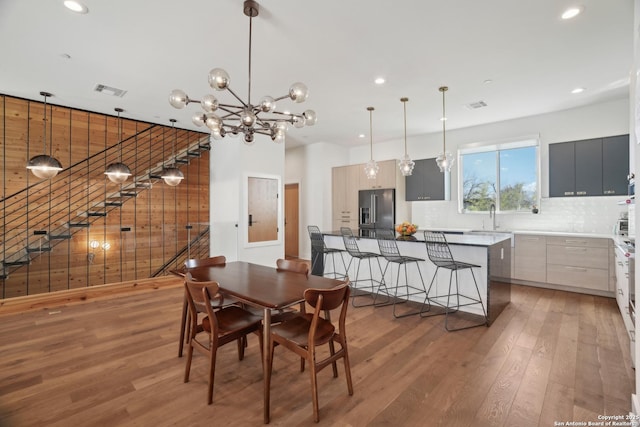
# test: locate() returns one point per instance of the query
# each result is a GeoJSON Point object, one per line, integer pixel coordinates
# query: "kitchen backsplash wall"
{"type": "Point", "coordinates": [580, 214]}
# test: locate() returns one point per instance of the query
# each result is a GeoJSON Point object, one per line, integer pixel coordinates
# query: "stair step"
{"type": "Point", "coordinates": [16, 259]}
{"type": "Point", "coordinates": [128, 194]}
{"type": "Point", "coordinates": [96, 213]}
{"type": "Point", "coordinates": [182, 161]}
{"type": "Point", "coordinates": [33, 249]}
{"type": "Point", "coordinates": [112, 203]}
{"type": "Point", "coordinates": [40, 232]}
{"type": "Point", "coordinates": [59, 236]}
{"type": "Point", "coordinates": [193, 153]}
{"type": "Point", "coordinates": [205, 147]}
{"type": "Point", "coordinates": [154, 176]}
{"type": "Point", "coordinates": [79, 224]}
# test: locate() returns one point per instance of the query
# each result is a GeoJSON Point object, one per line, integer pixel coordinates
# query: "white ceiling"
{"type": "Point", "coordinates": [336, 47]}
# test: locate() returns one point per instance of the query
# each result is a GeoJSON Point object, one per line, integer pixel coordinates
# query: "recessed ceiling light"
{"type": "Point", "coordinates": [76, 6]}
{"type": "Point", "coordinates": [578, 90]}
{"type": "Point", "coordinates": [379, 80]}
{"type": "Point", "coordinates": [487, 81]}
{"type": "Point", "coordinates": [362, 135]}
{"type": "Point", "coordinates": [572, 12]}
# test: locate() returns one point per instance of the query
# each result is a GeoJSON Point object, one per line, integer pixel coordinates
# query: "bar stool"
{"type": "Point", "coordinates": [321, 251]}
{"type": "Point", "coordinates": [352, 248]}
{"type": "Point", "coordinates": [389, 250]}
{"type": "Point", "coordinates": [440, 254]}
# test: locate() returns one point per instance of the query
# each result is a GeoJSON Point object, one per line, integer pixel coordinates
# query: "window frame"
{"type": "Point", "coordinates": [495, 147]}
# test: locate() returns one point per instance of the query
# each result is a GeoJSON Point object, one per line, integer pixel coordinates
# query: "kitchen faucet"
{"type": "Point", "coordinates": [492, 216]}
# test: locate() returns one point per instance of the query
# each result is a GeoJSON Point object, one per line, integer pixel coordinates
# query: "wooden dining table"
{"type": "Point", "coordinates": [265, 288]}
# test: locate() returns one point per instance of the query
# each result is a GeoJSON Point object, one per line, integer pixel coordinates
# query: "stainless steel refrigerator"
{"type": "Point", "coordinates": [376, 210]}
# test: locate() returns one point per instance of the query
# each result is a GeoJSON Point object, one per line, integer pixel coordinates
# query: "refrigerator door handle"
{"type": "Point", "coordinates": [374, 214]}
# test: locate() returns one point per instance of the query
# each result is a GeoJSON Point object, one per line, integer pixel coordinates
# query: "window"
{"type": "Point", "coordinates": [505, 175]}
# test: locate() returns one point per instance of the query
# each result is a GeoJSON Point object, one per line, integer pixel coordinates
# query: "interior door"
{"type": "Point", "coordinates": [263, 209]}
{"type": "Point", "coordinates": [291, 221]}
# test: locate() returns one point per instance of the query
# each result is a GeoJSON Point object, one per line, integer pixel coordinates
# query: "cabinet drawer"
{"type": "Point", "coordinates": [580, 277]}
{"type": "Point", "coordinates": [591, 242]}
{"type": "Point", "coordinates": [530, 245]}
{"type": "Point", "coordinates": [578, 256]}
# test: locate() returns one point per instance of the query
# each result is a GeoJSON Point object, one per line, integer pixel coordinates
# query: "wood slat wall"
{"type": "Point", "coordinates": [157, 217]}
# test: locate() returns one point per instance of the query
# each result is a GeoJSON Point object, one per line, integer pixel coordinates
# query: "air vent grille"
{"type": "Point", "coordinates": [108, 90]}
{"type": "Point", "coordinates": [476, 105]}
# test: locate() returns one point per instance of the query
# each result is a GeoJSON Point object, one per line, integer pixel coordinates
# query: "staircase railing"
{"type": "Point", "coordinates": [198, 247]}
{"type": "Point", "coordinates": [52, 210]}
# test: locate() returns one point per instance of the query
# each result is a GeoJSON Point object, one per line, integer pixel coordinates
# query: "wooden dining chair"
{"type": "Point", "coordinates": [308, 331]}
{"type": "Point", "coordinates": [212, 329]}
{"type": "Point", "coordinates": [221, 301]}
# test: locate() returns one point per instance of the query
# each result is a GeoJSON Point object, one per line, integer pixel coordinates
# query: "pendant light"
{"type": "Point", "coordinates": [405, 163]}
{"type": "Point", "coordinates": [118, 172]}
{"type": "Point", "coordinates": [44, 166]}
{"type": "Point", "coordinates": [371, 169]}
{"type": "Point", "coordinates": [445, 159]}
{"type": "Point", "coordinates": [172, 176]}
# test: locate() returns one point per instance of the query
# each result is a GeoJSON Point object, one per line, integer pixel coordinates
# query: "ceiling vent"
{"type": "Point", "coordinates": [108, 90]}
{"type": "Point", "coordinates": [476, 105]}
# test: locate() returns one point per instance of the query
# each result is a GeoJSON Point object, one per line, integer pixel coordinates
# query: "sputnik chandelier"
{"type": "Point", "coordinates": [245, 117]}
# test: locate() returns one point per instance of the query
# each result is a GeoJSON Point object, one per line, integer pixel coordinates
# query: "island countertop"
{"type": "Point", "coordinates": [476, 238]}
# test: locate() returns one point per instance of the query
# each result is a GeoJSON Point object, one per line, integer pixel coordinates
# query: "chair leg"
{"type": "Point", "coordinates": [478, 301]}
{"type": "Point", "coordinates": [314, 387]}
{"type": "Point", "coordinates": [187, 368]}
{"type": "Point", "coordinates": [332, 351]}
{"type": "Point", "coordinates": [212, 373]}
{"type": "Point", "coordinates": [347, 365]}
{"type": "Point", "coordinates": [183, 326]}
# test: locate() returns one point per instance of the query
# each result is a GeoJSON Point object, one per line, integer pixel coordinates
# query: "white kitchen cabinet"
{"type": "Point", "coordinates": [530, 258]}
{"type": "Point", "coordinates": [345, 185]}
{"type": "Point", "coordinates": [622, 287]}
{"type": "Point", "coordinates": [580, 262]}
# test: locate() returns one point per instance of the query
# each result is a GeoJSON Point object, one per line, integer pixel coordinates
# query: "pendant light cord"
{"type": "Point", "coordinates": [404, 105]}
{"type": "Point", "coordinates": [44, 125]}
{"type": "Point", "coordinates": [250, 31]}
{"type": "Point", "coordinates": [443, 89]}
{"type": "Point", "coordinates": [371, 130]}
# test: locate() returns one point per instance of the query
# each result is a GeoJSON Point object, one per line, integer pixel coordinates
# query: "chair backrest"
{"type": "Point", "coordinates": [383, 233]}
{"type": "Point", "coordinates": [346, 231]}
{"type": "Point", "coordinates": [437, 248]}
{"type": "Point", "coordinates": [351, 245]}
{"type": "Point", "coordinates": [317, 239]}
{"type": "Point", "coordinates": [329, 299]}
{"type": "Point", "coordinates": [301, 267]}
{"type": "Point", "coordinates": [203, 262]}
{"type": "Point", "coordinates": [199, 296]}
{"type": "Point", "coordinates": [388, 246]}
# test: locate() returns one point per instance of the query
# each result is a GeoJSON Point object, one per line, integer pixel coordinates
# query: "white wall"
{"type": "Point", "coordinates": [231, 163]}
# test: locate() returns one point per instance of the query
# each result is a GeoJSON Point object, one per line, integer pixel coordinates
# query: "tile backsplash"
{"type": "Point", "coordinates": [568, 214]}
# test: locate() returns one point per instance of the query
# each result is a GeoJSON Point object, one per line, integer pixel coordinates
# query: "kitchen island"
{"type": "Point", "coordinates": [491, 251]}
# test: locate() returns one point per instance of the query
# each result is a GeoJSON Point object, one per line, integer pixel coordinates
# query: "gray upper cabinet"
{"type": "Point", "coordinates": [562, 170]}
{"type": "Point", "coordinates": [615, 165]}
{"type": "Point", "coordinates": [589, 167]}
{"type": "Point", "coordinates": [426, 182]}
{"type": "Point", "coordinates": [592, 167]}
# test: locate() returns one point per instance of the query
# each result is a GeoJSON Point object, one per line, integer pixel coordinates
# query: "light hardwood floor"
{"type": "Point", "coordinates": [550, 356]}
